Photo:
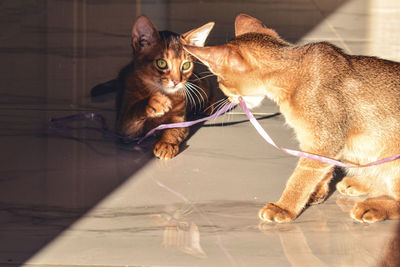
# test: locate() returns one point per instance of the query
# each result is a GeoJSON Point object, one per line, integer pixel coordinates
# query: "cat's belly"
{"type": "Point", "coordinates": [362, 149]}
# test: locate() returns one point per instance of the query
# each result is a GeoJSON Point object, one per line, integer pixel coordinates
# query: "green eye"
{"type": "Point", "coordinates": [186, 65]}
{"type": "Point", "coordinates": [162, 64]}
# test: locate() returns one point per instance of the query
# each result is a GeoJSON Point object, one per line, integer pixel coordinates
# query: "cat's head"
{"type": "Point", "coordinates": [242, 64]}
{"type": "Point", "coordinates": [164, 64]}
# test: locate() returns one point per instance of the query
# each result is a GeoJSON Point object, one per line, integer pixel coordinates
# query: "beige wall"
{"type": "Point", "coordinates": [57, 50]}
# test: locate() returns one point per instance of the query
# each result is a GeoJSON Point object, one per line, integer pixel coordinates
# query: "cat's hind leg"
{"type": "Point", "coordinates": [385, 206]}
{"type": "Point", "coordinates": [354, 186]}
{"type": "Point", "coordinates": [376, 209]}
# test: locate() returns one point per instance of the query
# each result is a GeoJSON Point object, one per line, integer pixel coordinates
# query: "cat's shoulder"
{"type": "Point", "coordinates": [324, 48]}
{"type": "Point", "coordinates": [325, 53]}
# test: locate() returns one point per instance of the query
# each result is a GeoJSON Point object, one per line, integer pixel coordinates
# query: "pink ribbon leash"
{"type": "Point", "coordinates": [301, 154]}
{"type": "Point", "coordinates": [60, 124]}
{"type": "Point", "coordinates": [187, 123]}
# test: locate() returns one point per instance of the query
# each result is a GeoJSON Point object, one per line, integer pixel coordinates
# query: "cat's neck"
{"type": "Point", "coordinates": [281, 75]}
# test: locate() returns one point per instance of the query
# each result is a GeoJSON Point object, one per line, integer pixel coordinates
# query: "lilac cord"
{"type": "Point", "coordinates": [61, 124]}
{"type": "Point", "coordinates": [187, 123]}
{"type": "Point", "coordinates": [301, 154]}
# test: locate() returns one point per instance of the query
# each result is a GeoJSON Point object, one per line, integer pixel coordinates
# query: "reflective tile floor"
{"type": "Point", "coordinates": [79, 199]}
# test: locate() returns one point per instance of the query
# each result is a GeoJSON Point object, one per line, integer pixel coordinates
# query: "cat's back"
{"type": "Point", "coordinates": [376, 85]}
{"type": "Point", "coordinates": [377, 72]}
{"type": "Point", "coordinates": [365, 74]}
{"type": "Point", "coordinates": [328, 54]}
{"type": "Point", "coordinates": [365, 87]}
{"type": "Point", "coordinates": [370, 87]}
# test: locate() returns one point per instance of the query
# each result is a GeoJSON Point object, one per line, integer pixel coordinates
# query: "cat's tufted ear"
{"type": "Point", "coordinates": [144, 34]}
{"type": "Point", "coordinates": [218, 58]}
{"type": "Point", "coordinates": [245, 24]}
{"type": "Point", "coordinates": [197, 37]}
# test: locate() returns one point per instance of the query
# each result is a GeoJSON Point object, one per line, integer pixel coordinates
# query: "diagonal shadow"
{"type": "Point", "coordinates": [47, 182]}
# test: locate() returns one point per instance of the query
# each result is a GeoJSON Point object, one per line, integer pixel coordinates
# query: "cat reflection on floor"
{"type": "Point", "coordinates": [179, 232]}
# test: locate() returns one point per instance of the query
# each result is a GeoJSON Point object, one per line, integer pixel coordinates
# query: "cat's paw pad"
{"type": "Point", "coordinates": [165, 150]}
{"type": "Point", "coordinates": [368, 212]}
{"type": "Point", "coordinates": [158, 105]}
{"type": "Point", "coordinates": [349, 187]}
{"type": "Point", "coordinates": [273, 213]}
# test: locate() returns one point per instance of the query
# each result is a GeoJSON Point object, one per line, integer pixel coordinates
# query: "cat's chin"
{"type": "Point", "coordinates": [251, 101]}
{"type": "Point", "coordinates": [172, 89]}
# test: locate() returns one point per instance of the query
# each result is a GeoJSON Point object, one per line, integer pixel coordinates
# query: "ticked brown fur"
{"type": "Point", "coordinates": [155, 86]}
{"type": "Point", "coordinates": [340, 106]}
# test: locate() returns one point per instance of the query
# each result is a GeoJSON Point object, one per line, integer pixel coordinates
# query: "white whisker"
{"type": "Point", "coordinates": [214, 104]}
{"type": "Point", "coordinates": [188, 97]}
{"type": "Point", "coordinates": [197, 77]}
{"type": "Point", "coordinates": [209, 75]}
{"type": "Point", "coordinates": [195, 90]}
{"type": "Point", "coordinates": [207, 71]}
{"type": "Point", "coordinates": [199, 62]}
{"type": "Point", "coordinates": [199, 88]}
{"type": "Point", "coordinates": [221, 105]}
{"type": "Point", "coordinates": [191, 95]}
{"type": "Point", "coordinates": [220, 102]}
{"type": "Point", "coordinates": [192, 100]}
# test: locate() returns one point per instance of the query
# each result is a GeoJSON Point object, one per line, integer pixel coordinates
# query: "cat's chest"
{"type": "Point", "coordinates": [292, 117]}
{"type": "Point", "coordinates": [298, 121]}
{"type": "Point", "coordinates": [253, 101]}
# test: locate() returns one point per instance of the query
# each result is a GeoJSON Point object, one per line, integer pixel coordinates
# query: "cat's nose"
{"type": "Point", "coordinates": [175, 82]}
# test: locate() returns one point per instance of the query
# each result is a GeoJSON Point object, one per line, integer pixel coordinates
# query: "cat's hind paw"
{"type": "Point", "coordinates": [350, 186]}
{"type": "Point", "coordinates": [273, 213]}
{"type": "Point", "coordinates": [369, 211]}
{"type": "Point", "coordinates": [165, 150]}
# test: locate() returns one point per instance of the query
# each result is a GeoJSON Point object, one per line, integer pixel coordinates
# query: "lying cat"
{"type": "Point", "coordinates": [340, 106]}
{"type": "Point", "coordinates": [159, 85]}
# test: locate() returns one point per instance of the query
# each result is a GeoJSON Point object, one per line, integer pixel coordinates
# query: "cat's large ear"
{"type": "Point", "coordinates": [245, 24]}
{"type": "Point", "coordinates": [144, 34]}
{"type": "Point", "coordinates": [218, 58]}
{"type": "Point", "coordinates": [197, 37]}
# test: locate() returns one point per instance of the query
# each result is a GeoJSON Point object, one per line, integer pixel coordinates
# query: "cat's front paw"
{"type": "Point", "coordinates": [158, 105]}
{"type": "Point", "coordinates": [273, 213]}
{"type": "Point", "coordinates": [164, 150]}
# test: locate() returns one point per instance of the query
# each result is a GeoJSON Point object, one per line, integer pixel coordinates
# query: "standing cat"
{"type": "Point", "coordinates": [340, 106]}
{"type": "Point", "coordinates": [156, 86]}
